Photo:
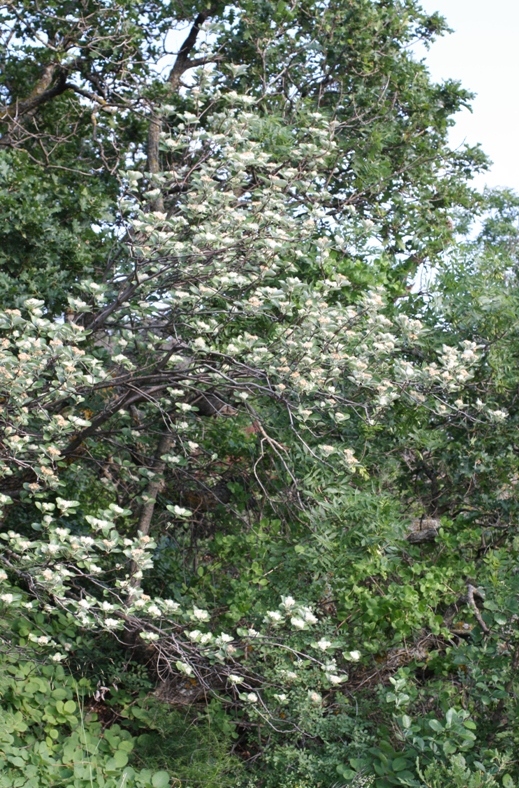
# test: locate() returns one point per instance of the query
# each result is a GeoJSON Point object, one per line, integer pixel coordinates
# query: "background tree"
{"type": "Point", "coordinates": [221, 393]}
{"type": "Point", "coordinates": [81, 90]}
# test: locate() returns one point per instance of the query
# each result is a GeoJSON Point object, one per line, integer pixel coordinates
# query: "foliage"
{"type": "Point", "coordinates": [259, 494]}
{"type": "Point", "coordinates": [49, 738]}
{"type": "Point", "coordinates": [195, 748]}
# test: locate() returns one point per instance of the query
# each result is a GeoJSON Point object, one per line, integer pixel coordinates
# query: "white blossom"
{"type": "Point", "coordinates": [273, 616]}
{"type": "Point", "coordinates": [350, 458]}
{"type": "Point", "coordinates": [180, 511]}
{"type": "Point", "coordinates": [200, 615]}
{"type": "Point", "coordinates": [149, 636]}
{"type": "Point", "coordinates": [170, 605]}
{"type": "Point", "coordinates": [183, 667]}
{"type": "Point", "coordinates": [323, 644]}
{"type": "Point", "coordinates": [308, 615]}
{"type": "Point", "coordinates": [334, 679]}
{"type": "Point", "coordinates": [66, 505]}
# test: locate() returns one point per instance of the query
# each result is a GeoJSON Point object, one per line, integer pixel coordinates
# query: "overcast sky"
{"type": "Point", "coordinates": [483, 53]}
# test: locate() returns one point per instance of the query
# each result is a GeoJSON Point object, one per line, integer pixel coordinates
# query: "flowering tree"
{"type": "Point", "coordinates": [229, 455]}
{"type": "Point", "coordinates": [218, 314]}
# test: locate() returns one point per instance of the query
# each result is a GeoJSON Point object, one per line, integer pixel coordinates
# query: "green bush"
{"type": "Point", "coordinates": [194, 748]}
{"type": "Point", "coordinates": [48, 738]}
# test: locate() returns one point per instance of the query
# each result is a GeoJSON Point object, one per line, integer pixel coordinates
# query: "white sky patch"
{"type": "Point", "coordinates": [483, 53]}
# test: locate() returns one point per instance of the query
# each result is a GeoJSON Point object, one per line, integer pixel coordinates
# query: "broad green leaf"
{"type": "Point", "coordinates": [160, 780]}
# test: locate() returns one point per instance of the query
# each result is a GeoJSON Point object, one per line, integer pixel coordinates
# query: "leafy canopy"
{"type": "Point", "coordinates": [246, 468]}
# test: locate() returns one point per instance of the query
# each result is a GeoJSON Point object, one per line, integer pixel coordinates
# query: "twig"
{"type": "Point", "coordinates": [471, 591]}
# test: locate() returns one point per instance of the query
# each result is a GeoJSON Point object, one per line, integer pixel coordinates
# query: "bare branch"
{"type": "Point", "coordinates": [182, 62]}
{"type": "Point", "coordinates": [181, 65]}
{"type": "Point", "coordinates": [471, 592]}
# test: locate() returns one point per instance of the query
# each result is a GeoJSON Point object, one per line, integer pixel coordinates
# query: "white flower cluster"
{"type": "Point", "coordinates": [455, 365]}
{"type": "Point", "coordinates": [41, 366]}
{"type": "Point", "coordinates": [299, 616]}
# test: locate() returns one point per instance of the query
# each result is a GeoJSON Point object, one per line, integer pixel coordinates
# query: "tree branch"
{"type": "Point", "coordinates": [182, 64]}
{"type": "Point", "coordinates": [471, 592]}
{"type": "Point", "coordinates": [156, 483]}
{"type": "Point", "coordinates": [43, 92]}
{"type": "Point", "coordinates": [155, 486]}
{"type": "Point", "coordinates": [89, 95]}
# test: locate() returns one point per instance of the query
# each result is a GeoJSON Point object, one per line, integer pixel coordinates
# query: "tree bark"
{"type": "Point", "coordinates": [156, 483]}
{"type": "Point", "coordinates": [181, 65]}
{"type": "Point", "coordinates": [155, 486]}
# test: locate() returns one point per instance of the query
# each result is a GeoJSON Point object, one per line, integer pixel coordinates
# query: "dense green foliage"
{"type": "Point", "coordinates": [259, 491]}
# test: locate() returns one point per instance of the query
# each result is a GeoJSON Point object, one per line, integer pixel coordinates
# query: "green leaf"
{"type": "Point", "coordinates": [399, 764]}
{"type": "Point", "coordinates": [450, 717]}
{"type": "Point", "coordinates": [120, 758]}
{"type": "Point", "coordinates": [449, 748]}
{"type": "Point", "coordinates": [126, 745]}
{"type": "Point", "coordinates": [358, 763]}
{"type": "Point", "coordinates": [348, 774]}
{"type": "Point", "coordinates": [406, 778]}
{"type": "Point", "coordinates": [160, 780]}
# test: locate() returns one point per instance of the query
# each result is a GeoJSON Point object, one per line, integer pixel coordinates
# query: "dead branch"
{"type": "Point", "coordinates": [472, 591]}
